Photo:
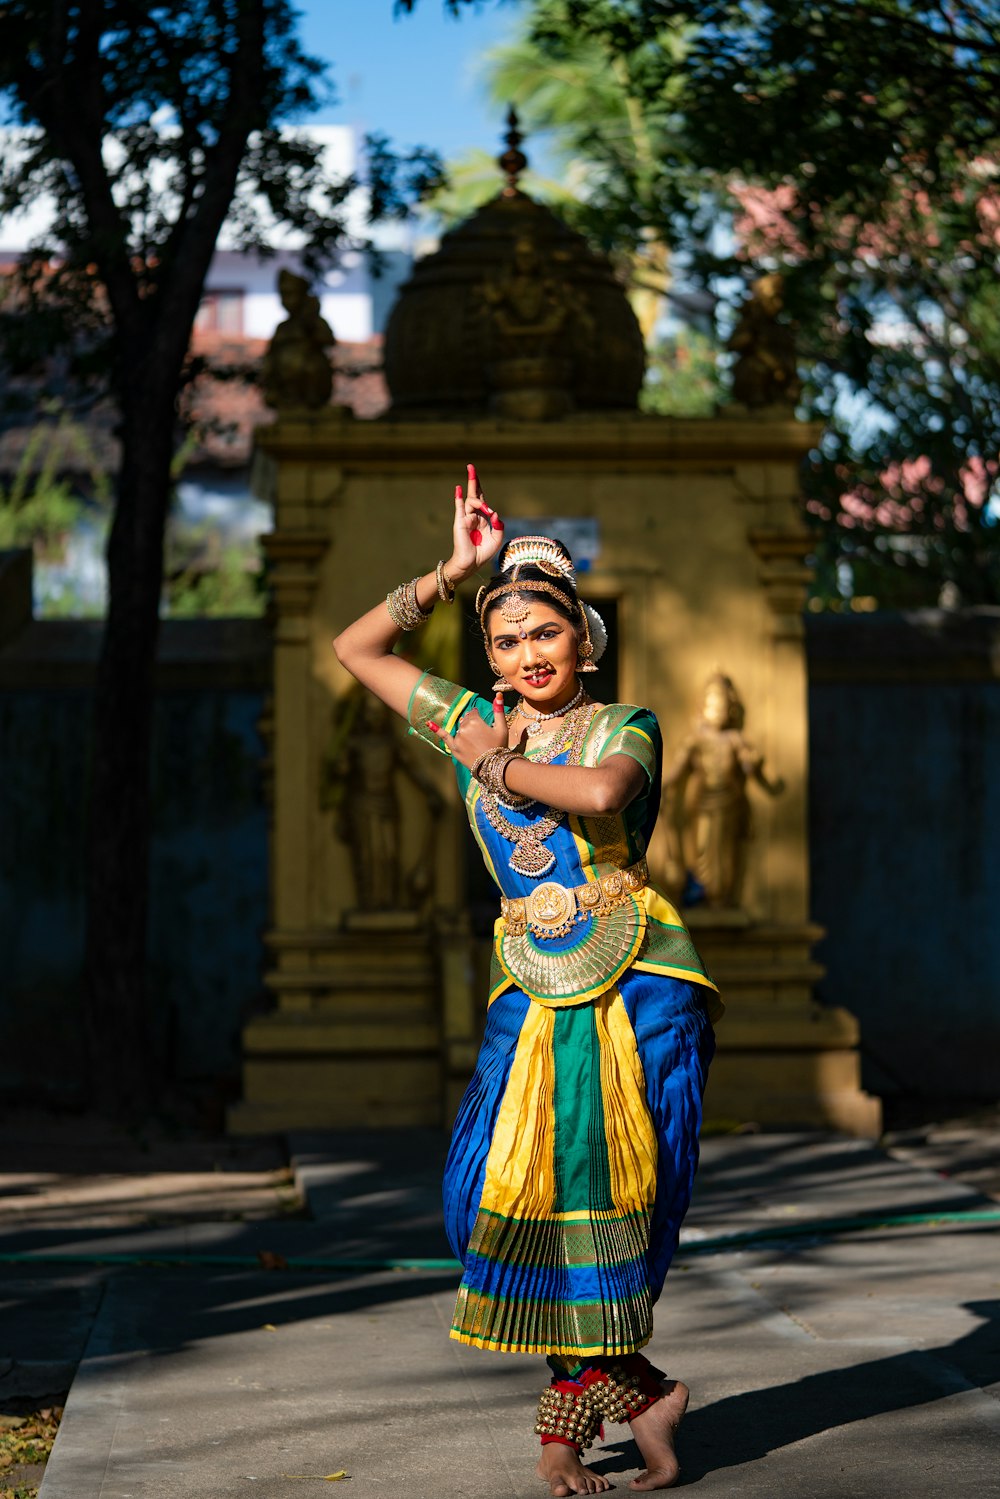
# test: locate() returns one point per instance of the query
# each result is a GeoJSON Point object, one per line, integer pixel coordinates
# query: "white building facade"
{"type": "Point", "coordinates": [212, 500]}
{"type": "Point", "coordinates": [241, 296]}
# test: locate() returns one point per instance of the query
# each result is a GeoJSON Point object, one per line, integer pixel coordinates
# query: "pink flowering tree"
{"type": "Point", "coordinates": [905, 373]}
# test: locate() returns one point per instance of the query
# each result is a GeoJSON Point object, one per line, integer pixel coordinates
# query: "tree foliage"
{"type": "Point", "coordinates": [39, 507]}
{"type": "Point", "coordinates": [607, 148]}
{"type": "Point", "coordinates": [144, 128]}
{"type": "Point", "coordinates": [230, 586]}
{"type": "Point", "coordinates": [855, 146]}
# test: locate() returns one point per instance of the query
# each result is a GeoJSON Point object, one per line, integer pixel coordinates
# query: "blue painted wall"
{"type": "Point", "coordinates": [208, 877]}
{"type": "Point", "coordinates": [42, 739]}
{"type": "Point", "coordinates": [905, 830]}
{"type": "Point", "coordinates": [209, 894]}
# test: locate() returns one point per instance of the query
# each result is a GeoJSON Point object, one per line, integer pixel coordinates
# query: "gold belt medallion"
{"type": "Point", "coordinates": [609, 919]}
{"type": "Point", "coordinates": [551, 909]}
{"type": "Point", "coordinates": [572, 975]}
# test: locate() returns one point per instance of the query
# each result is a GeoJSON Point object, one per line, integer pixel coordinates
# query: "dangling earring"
{"type": "Point", "coordinates": [583, 661]}
{"type": "Point", "coordinates": [501, 684]}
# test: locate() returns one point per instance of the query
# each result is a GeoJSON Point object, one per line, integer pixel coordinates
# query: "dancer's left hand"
{"type": "Point", "coordinates": [473, 736]}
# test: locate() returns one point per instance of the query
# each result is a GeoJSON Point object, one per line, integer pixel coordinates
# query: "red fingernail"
{"type": "Point", "coordinates": [458, 491]}
{"type": "Point", "coordinates": [472, 470]}
{"type": "Point", "coordinates": [476, 537]}
{"type": "Point", "coordinates": [497, 523]}
{"type": "Point", "coordinates": [432, 725]}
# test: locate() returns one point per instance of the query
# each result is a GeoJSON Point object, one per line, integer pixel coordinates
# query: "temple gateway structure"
{"type": "Point", "coordinates": [515, 347]}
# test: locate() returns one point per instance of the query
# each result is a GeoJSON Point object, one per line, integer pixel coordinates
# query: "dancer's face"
{"type": "Point", "coordinates": [537, 656]}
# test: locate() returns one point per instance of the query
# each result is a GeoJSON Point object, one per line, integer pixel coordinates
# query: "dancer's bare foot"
{"type": "Point", "coordinates": [565, 1474]}
{"type": "Point", "coordinates": [654, 1432]}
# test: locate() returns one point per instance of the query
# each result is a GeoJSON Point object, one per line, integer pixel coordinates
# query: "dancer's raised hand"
{"type": "Point", "coordinates": [478, 530]}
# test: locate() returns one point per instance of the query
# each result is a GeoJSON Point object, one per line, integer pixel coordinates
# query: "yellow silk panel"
{"type": "Point", "coordinates": [628, 1125]}
{"type": "Point", "coordinates": [520, 1168]}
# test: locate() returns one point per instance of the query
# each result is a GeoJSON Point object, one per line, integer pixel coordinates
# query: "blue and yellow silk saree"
{"type": "Point", "coordinates": [575, 1147]}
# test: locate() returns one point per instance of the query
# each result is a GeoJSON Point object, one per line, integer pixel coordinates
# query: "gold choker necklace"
{"type": "Point", "coordinates": [535, 721]}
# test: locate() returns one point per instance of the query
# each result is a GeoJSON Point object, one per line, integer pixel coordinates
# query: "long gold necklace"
{"type": "Point", "coordinates": [530, 856]}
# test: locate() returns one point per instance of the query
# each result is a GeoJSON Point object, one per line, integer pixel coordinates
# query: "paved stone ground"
{"type": "Point", "coordinates": [857, 1365]}
{"type": "Point", "coordinates": [967, 1150]}
{"type": "Point", "coordinates": [62, 1171]}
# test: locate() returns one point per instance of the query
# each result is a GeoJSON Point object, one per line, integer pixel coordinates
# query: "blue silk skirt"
{"type": "Point", "coordinates": [572, 1163]}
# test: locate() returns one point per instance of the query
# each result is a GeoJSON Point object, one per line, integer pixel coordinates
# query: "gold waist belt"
{"type": "Point", "coordinates": [552, 909]}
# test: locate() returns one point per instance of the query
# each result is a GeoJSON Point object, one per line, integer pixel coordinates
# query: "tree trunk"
{"type": "Point", "coordinates": [124, 1073]}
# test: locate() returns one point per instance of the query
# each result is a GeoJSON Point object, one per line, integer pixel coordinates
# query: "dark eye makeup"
{"type": "Point", "coordinates": [547, 632]}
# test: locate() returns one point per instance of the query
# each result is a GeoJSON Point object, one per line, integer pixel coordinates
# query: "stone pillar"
{"type": "Point", "coordinates": [783, 1058]}
{"type": "Point", "coordinates": [293, 559]}
{"type": "Point", "coordinates": [354, 1036]}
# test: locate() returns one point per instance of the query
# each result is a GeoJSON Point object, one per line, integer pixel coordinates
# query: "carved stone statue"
{"type": "Point", "coordinates": [531, 326]}
{"type": "Point", "coordinates": [296, 368]}
{"type": "Point", "coordinates": [529, 309]}
{"type": "Point", "coordinates": [709, 819]}
{"type": "Point", "coordinates": [765, 373]}
{"type": "Point", "coordinates": [358, 784]}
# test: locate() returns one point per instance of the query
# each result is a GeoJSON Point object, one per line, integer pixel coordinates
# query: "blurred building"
{"type": "Point", "coordinates": [241, 300]}
{"type": "Point", "coordinates": [239, 312]}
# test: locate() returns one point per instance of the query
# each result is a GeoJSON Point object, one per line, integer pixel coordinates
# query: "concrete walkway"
{"type": "Point", "coordinates": [823, 1365]}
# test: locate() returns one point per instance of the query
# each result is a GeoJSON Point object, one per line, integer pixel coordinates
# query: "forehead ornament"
{"type": "Point", "coordinates": [515, 608]}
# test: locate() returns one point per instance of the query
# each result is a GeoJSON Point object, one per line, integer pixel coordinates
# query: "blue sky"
{"type": "Point", "coordinates": [409, 76]}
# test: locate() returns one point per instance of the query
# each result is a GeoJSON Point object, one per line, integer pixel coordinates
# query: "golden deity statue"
{"type": "Point", "coordinates": [766, 372]}
{"type": "Point", "coordinates": [296, 368]}
{"type": "Point", "coordinates": [531, 333]}
{"type": "Point", "coordinates": [358, 785]}
{"type": "Point", "coordinates": [526, 305]}
{"type": "Point", "coordinates": [708, 806]}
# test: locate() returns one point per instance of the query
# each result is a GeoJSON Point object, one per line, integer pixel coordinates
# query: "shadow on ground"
{"type": "Point", "coordinates": [746, 1427]}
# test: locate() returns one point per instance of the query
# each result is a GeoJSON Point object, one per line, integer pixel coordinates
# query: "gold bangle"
{"type": "Point", "coordinates": [404, 610]}
{"type": "Point", "coordinates": [491, 767]}
{"type": "Point", "coordinates": [417, 614]}
{"type": "Point", "coordinates": [446, 588]}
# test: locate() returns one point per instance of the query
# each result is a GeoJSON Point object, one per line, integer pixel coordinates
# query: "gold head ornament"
{"type": "Point", "coordinates": [514, 602]}
{"type": "Point", "coordinates": [547, 556]}
{"type": "Point", "coordinates": [541, 552]}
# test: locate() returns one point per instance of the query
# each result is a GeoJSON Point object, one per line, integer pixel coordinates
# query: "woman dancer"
{"type": "Point", "coordinates": [575, 1148]}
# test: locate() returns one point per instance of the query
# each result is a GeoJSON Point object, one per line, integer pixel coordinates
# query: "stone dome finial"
{"type": "Point", "coordinates": [513, 161]}
{"type": "Point", "coordinates": [513, 314]}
